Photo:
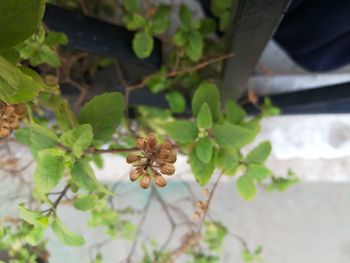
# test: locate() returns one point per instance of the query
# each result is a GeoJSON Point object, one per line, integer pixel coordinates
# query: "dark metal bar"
{"type": "Point", "coordinates": [253, 24]}
{"type": "Point", "coordinates": [329, 99]}
{"type": "Point", "coordinates": [95, 36]}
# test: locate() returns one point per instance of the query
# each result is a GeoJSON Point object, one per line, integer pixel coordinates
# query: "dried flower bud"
{"type": "Point", "coordinates": [168, 169]}
{"type": "Point", "coordinates": [196, 216]}
{"type": "Point", "coordinates": [134, 175]}
{"type": "Point", "coordinates": [4, 132]}
{"type": "Point", "coordinates": [141, 143]}
{"type": "Point", "coordinates": [152, 141]}
{"type": "Point", "coordinates": [20, 109]}
{"type": "Point", "coordinates": [132, 157]}
{"type": "Point", "coordinates": [145, 182]}
{"type": "Point", "coordinates": [172, 157]}
{"type": "Point", "coordinates": [166, 145]}
{"type": "Point", "coordinates": [160, 181]}
{"type": "Point", "coordinates": [163, 154]}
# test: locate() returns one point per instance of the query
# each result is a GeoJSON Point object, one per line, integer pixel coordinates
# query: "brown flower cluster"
{"type": "Point", "coordinates": [201, 207]}
{"type": "Point", "coordinates": [152, 161]}
{"type": "Point", "coordinates": [9, 118]}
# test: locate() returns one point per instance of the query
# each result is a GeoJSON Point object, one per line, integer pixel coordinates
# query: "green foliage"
{"type": "Point", "coordinates": [18, 20]}
{"type": "Point", "coordinates": [65, 236]}
{"type": "Point", "coordinates": [252, 256]}
{"type": "Point", "coordinates": [176, 101]}
{"type": "Point", "coordinates": [202, 172]}
{"type": "Point", "coordinates": [281, 184]}
{"type": "Point", "coordinates": [228, 160]}
{"type": "Point", "coordinates": [260, 153]}
{"type": "Point", "coordinates": [246, 187]}
{"type": "Point", "coordinates": [85, 202]}
{"type": "Point", "coordinates": [229, 135]}
{"type": "Point", "coordinates": [233, 112]}
{"type": "Point", "coordinates": [268, 109]}
{"type": "Point", "coordinates": [204, 118]}
{"type": "Point", "coordinates": [207, 93]}
{"type": "Point", "coordinates": [142, 44]}
{"type": "Point", "coordinates": [182, 131]}
{"type": "Point", "coordinates": [132, 6]}
{"type": "Point", "coordinates": [204, 149]}
{"type": "Point", "coordinates": [214, 235]}
{"type": "Point", "coordinates": [104, 113]}
{"type": "Point", "coordinates": [222, 10]}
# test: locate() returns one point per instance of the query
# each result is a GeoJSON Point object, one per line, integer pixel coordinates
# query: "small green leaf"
{"type": "Point", "coordinates": [204, 149]}
{"type": "Point", "coordinates": [182, 131]}
{"type": "Point", "coordinates": [180, 38]}
{"type": "Point", "coordinates": [207, 93]}
{"type": "Point", "coordinates": [176, 101]}
{"type": "Point", "coordinates": [53, 39]}
{"type": "Point", "coordinates": [134, 21]}
{"type": "Point", "coordinates": [65, 236]}
{"type": "Point", "coordinates": [228, 160]}
{"type": "Point", "coordinates": [224, 20]}
{"type": "Point", "coordinates": [78, 139]}
{"type": "Point", "coordinates": [104, 113]}
{"type": "Point", "coordinates": [9, 79]}
{"type": "Point", "coordinates": [260, 153]}
{"type": "Point", "coordinates": [142, 44]}
{"type": "Point", "coordinates": [208, 26]}
{"type": "Point", "coordinates": [202, 172]}
{"type": "Point", "coordinates": [234, 113]}
{"type": "Point", "coordinates": [246, 187]}
{"type": "Point", "coordinates": [36, 234]}
{"type": "Point", "coordinates": [22, 135]}
{"type": "Point", "coordinates": [18, 20]}
{"type": "Point", "coordinates": [194, 47]}
{"type": "Point", "coordinates": [86, 202]}
{"type": "Point", "coordinates": [258, 172]}
{"type": "Point", "coordinates": [230, 135]}
{"type": "Point", "coordinates": [132, 6]}
{"type": "Point", "coordinates": [84, 177]}
{"type": "Point", "coordinates": [185, 15]}
{"type": "Point", "coordinates": [41, 138]}
{"type": "Point", "coordinates": [27, 215]}
{"type": "Point", "coordinates": [160, 20]}
{"type": "Point", "coordinates": [204, 118]}
{"type": "Point", "coordinates": [65, 117]}
{"type": "Point", "coordinates": [49, 170]}
{"type": "Point", "coordinates": [11, 55]}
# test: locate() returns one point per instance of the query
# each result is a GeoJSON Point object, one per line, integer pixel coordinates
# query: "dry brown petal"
{"type": "Point", "coordinates": [166, 145]}
{"type": "Point", "coordinates": [168, 169]}
{"type": "Point", "coordinates": [145, 182]}
{"type": "Point", "coordinates": [172, 157]}
{"type": "Point", "coordinates": [163, 154]}
{"type": "Point", "coordinates": [160, 181]}
{"type": "Point", "coordinates": [141, 143]}
{"type": "Point", "coordinates": [132, 157]}
{"type": "Point", "coordinates": [134, 175]}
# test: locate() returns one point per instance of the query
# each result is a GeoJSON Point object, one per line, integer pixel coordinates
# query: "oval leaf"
{"type": "Point", "coordinates": [234, 113]}
{"type": "Point", "coordinates": [204, 118]}
{"type": "Point", "coordinates": [142, 44]}
{"type": "Point", "coordinates": [230, 135]}
{"type": "Point", "coordinates": [182, 131]}
{"type": "Point", "coordinates": [86, 202]}
{"type": "Point", "coordinates": [204, 149]}
{"type": "Point", "coordinates": [246, 187]}
{"type": "Point", "coordinates": [65, 236]}
{"type": "Point", "coordinates": [260, 153]}
{"type": "Point", "coordinates": [207, 93]}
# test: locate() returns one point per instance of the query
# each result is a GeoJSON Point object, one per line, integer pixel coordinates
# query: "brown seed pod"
{"type": "Point", "coordinates": [145, 181]}
{"type": "Point", "coordinates": [134, 175]}
{"type": "Point", "coordinates": [160, 181]}
{"type": "Point", "coordinates": [172, 157]}
{"type": "Point", "coordinates": [152, 141]}
{"type": "Point", "coordinates": [19, 109]}
{"type": "Point", "coordinates": [141, 143]}
{"type": "Point", "coordinates": [166, 145]}
{"type": "Point", "coordinates": [4, 132]}
{"type": "Point", "coordinates": [132, 157]}
{"type": "Point", "coordinates": [163, 154]}
{"type": "Point", "coordinates": [168, 169]}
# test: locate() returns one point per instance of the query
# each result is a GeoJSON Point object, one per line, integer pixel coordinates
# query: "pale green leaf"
{"type": "Point", "coordinates": [86, 202]}
{"type": "Point", "coordinates": [194, 47]}
{"type": "Point", "coordinates": [202, 172]}
{"type": "Point", "coordinates": [207, 93]}
{"type": "Point", "coordinates": [234, 113]}
{"type": "Point", "coordinates": [27, 215]}
{"type": "Point", "coordinates": [65, 236]}
{"type": "Point", "coordinates": [182, 131]}
{"type": "Point", "coordinates": [176, 101]}
{"type": "Point", "coordinates": [260, 153]}
{"type": "Point", "coordinates": [230, 135]}
{"type": "Point", "coordinates": [41, 138]}
{"type": "Point", "coordinates": [36, 234]}
{"type": "Point", "coordinates": [228, 160]}
{"type": "Point", "coordinates": [204, 149]}
{"type": "Point", "coordinates": [142, 44]}
{"type": "Point", "coordinates": [65, 117]}
{"type": "Point", "coordinates": [246, 187]}
{"type": "Point", "coordinates": [258, 172]}
{"type": "Point", "coordinates": [132, 6]}
{"type": "Point", "coordinates": [78, 139]}
{"type": "Point", "coordinates": [104, 113]}
{"type": "Point", "coordinates": [185, 15]}
{"type": "Point", "coordinates": [204, 118]}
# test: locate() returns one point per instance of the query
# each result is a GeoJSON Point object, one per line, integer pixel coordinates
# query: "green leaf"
{"type": "Point", "coordinates": [65, 117]}
{"type": "Point", "coordinates": [208, 26]}
{"type": "Point", "coordinates": [194, 47]}
{"type": "Point", "coordinates": [53, 39]}
{"type": "Point", "coordinates": [65, 236]}
{"type": "Point", "coordinates": [207, 93]}
{"type": "Point", "coordinates": [22, 135]}
{"type": "Point", "coordinates": [18, 20]}
{"type": "Point", "coordinates": [246, 187]}
{"type": "Point", "coordinates": [204, 149]}
{"type": "Point", "coordinates": [176, 101]}
{"type": "Point", "coordinates": [84, 177]}
{"type": "Point", "coordinates": [104, 113]}
{"type": "Point", "coordinates": [9, 79]}
{"type": "Point", "coordinates": [160, 20]}
{"type": "Point", "coordinates": [132, 6]}
{"type": "Point", "coordinates": [11, 55]}
{"type": "Point", "coordinates": [230, 135]}
{"type": "Point", "coordinates": [224, 20]}
{"type": "Point", "coordinates": [204, 118]}
{"type": "Point", "coordinates": [258, 172]}
{"type": "Point", "coordinates": [134, 21]}
{"type": "Point", "coordinates": [86, 202]}
{"type": "Point", "coordinates": [234, 113]}
{"type": "Point", "coordinates": [142, 44]}
{"type": "Point", "coordinates": [36, 234]}
{"type": "Point", "coordinates": [180, 38]}
{"type": "Point", "coordinates": [228, 160]}
{"type": "Point", "coordinates": [202, 172]}
{"type": "Point", "coordinates": [182, 131]}
{"type": "Point", "coordinates": [41, 138]}
{"type": "Point", "coordinates": [185, 15]}
{"type": "Point", "coordinates": [27, 215]}
{"type": "Point", "coordinates": [78, 139]}
{"type": "Point", "coordinates": [260, 153]}
{"type": "Point", "coordinates": [49, 170]}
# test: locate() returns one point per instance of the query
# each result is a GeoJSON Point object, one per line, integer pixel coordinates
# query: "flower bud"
{"type": "Point", "coordinates": [166, 145]}
{"type": "Point", "coordinates": [141, 143]}
{"type": "Point", "coordinates": [4, 132]}
{"type": "Point", "coordinates": [160, 181]}
{"type": "Point", "coordinates": [152, 141]}
{"type": "Point", "coordinates": [132, 157]}
{"type": "Point", "coordinates": [163, 154]}
{"type": "Point", "coordinates": [145, 181]}
{"type": "Point", "coordinates": [167, 169]}
{"type": "Point", "coordinates": [172, 157]}
{"type": "Point", "coordinates": [134, 175]}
